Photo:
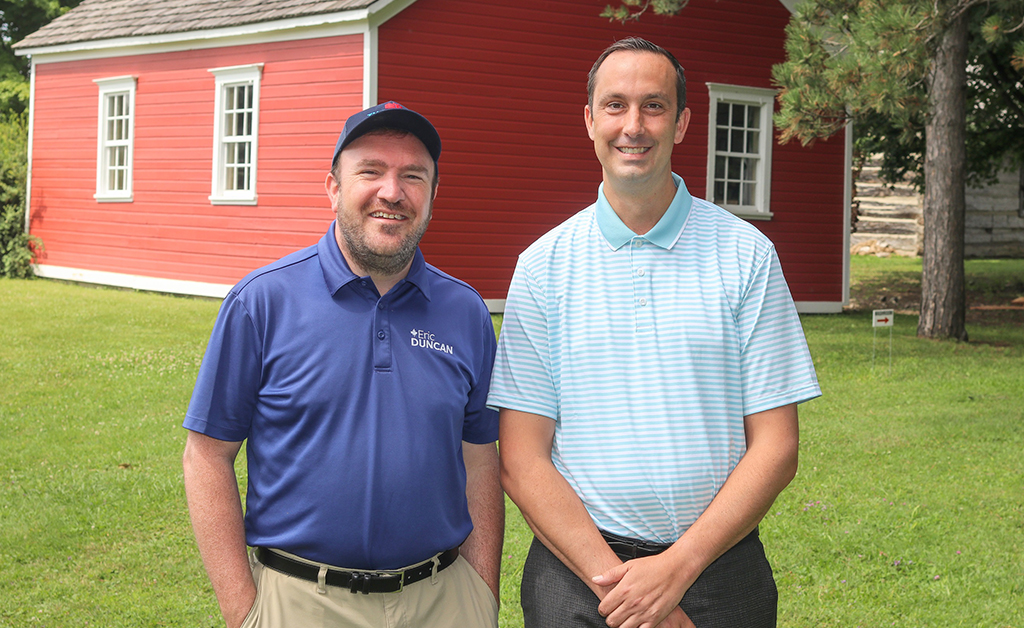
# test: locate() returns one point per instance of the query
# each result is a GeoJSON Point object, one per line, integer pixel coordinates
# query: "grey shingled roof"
{"type": "Point", "coordinates": [106, 19]}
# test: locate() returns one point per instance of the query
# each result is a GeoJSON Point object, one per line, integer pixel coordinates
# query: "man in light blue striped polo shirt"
{"type": "Point", "coordinates": [648, 371]}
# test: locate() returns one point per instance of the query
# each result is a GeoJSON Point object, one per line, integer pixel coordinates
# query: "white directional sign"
{"type": "Point", "coordinates": [882, 318]}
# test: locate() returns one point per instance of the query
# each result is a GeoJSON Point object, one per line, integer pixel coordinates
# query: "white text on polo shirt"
{"type": "Point", "coordinates": [423, 338]}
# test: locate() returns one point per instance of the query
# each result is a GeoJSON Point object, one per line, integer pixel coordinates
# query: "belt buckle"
{"type": "Point", "coordinates": [401, 579]}
{"type": "Point", "coordinates": [361, 581]}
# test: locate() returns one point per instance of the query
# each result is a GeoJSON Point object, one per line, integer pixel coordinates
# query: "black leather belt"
{"type": "Point", "coordinates": [356, 581]}
{"type": "Point", "coordinates": [633, 548]}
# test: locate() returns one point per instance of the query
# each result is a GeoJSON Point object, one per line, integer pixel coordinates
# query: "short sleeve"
{"type": "Point", "coordinates": [481, 423]}
{"type": "Point", "coordinates": [227, 388]}
{"type": "Point", "coordinates": [523, 377]}
{"type": "Point", "coordinates": [776, 365]}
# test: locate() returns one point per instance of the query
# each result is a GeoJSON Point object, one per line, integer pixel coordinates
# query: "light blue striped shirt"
{"type": "Point", "coordinates": [648, 351]}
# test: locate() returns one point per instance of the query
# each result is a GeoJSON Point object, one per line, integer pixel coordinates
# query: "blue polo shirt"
{"type": "Point", "coordinates": [353, 406]}
{"type": "Point", "coordinates": [647, 351]}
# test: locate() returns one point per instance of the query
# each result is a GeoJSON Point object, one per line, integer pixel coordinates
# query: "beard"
{"type": "Point", "coordinates": [375, 260]}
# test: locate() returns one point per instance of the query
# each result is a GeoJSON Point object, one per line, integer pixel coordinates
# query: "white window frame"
{"type": "Point", "coordinates": [226, 78]}
{"type": "Point", "coordinates": [760, 209]}
{"type": "Point", "coordinates": [118, 86]}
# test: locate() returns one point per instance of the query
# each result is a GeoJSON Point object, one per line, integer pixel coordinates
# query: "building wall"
{"type": "Point", "coordinates": [995, 217]}
{"type": "Point", "coordinates": [170, 229]}
{"type": "Point", "coordinates": [506, 85]}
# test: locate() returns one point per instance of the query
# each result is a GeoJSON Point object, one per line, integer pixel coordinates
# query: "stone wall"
{"type": "Point", "coordinates": [995, 217]}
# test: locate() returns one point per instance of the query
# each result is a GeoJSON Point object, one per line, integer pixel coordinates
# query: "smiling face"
{"type": "Point", "coordinates": [633, 121]}
{"type": "Point", "coordinates": [382, 191]}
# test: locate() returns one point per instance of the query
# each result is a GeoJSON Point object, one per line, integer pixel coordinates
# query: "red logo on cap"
{"type": "Point", "coordinates": [393, 105]}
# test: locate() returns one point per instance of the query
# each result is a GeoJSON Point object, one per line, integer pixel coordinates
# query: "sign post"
{"type": "Point", "coordinates": [881, 318]}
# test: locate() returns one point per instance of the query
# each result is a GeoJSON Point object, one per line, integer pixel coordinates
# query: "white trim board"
{"type": "Point", "coordinates": [135, 282]}
{"type": "Point", "coordinates": [819, 307]}
{"type": "Point", "coordinates": [28, 155]}
{"type": "Point", "coordinates": [495, 306]}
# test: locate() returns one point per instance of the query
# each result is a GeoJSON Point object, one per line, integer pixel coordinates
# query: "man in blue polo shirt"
{"type": "Point", "coordinates": [648, 371]}
{"type": "Point", "coordinates": [357, 375]}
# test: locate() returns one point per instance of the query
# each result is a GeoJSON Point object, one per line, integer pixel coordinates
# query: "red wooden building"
{"type": "Point", "coordinates": [176, 145]}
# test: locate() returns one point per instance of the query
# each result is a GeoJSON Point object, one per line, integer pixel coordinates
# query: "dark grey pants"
{"type": "Point", "coordinates": [735, 591]}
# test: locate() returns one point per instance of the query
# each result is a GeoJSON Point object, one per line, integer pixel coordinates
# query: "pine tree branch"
{"type": "Point", "coordinates": [1015, 28]}
{"type": "Point", "coordinates": [1002, 77]}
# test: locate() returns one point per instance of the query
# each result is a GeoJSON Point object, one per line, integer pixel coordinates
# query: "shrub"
{"type": "Point", "coordinates": [18, 249]}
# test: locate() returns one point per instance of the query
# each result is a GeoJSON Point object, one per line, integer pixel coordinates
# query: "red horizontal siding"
{"type": "Point", "coordinates": [170, 229]}
{"type": "Point", "coordinates": [506, 84]}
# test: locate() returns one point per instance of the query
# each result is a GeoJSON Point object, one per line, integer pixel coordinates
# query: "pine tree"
{"type": "Point", "coordinates": [903, 65]}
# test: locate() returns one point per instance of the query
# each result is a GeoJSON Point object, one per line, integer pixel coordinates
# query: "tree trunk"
{"type": "Point", "coordinates": [943, 301]}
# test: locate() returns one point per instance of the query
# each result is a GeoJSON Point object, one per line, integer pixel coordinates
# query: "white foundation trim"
{"type": "Point", "coordinates": [819, 307]}
{"type": "Point", "coordinates": [135, 282]}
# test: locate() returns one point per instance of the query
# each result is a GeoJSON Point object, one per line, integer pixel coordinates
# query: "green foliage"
{"type": "Point", "coordinates": [18, 249]}
{"type": "Point", "coordinates": [19, 18]}
{"type": "Point", "coordinates": [14, 95]}
{"type": "Point", "coordinates": [632, 9]}
{"type": "Point", "coordinates": [867, 61]}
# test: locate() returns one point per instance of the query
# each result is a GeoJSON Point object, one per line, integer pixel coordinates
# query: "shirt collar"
{"type": "Point", "coordinates": [337, 272]}
{"type": "Point", "coordinates": [664, 234]}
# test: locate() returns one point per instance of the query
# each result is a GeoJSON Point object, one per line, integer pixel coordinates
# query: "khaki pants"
{"type": "Point", "coordinates": [459, 598]}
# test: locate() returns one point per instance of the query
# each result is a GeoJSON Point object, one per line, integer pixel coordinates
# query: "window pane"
{"type": "Point", "coordinates": [722, 114]}
{"type": "Point", "coordinates": [736, 141]}
{"type": "Point", "coordinates": [752, 137]}
{"type": "Point", "coordinates": [719, 192]}
{"type": "Point", "coordinates": [719, 167]}
{"type": "Point", "coordinates": [732, 193]}
{"type": "Point", "coordinates": [748, 169]}
{"type": "Point", "coordinates": [753, 117]}
{"type": "Point", "coordinates": [748, 194]}
{"type": "Point", "coordinates": [734, 168]}
{"type": "Point", "coordinates": [721, 140]}
{"type": "Point", "coordinates": [737, 115]}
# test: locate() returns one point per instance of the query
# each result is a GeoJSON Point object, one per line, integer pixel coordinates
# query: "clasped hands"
{"type": "Point", "coordinates": [644, 593]}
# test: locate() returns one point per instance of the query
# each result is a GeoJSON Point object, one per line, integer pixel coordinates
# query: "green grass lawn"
{"type": "Point", "coordinates": [908, 509]}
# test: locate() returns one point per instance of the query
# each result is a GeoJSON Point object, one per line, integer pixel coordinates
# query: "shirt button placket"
{"type": "Point", "coordinates": [642, 289]}
{"type": "Point", "coordinates": [382, 337]}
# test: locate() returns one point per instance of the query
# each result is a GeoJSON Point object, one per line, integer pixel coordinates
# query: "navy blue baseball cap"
{"type": "Point", "coordinates": [389, 115]}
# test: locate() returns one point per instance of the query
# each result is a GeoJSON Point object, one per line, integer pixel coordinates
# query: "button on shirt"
{"type": "Point", "coordinates": [648, 351]}
{"type": "Point", "coordinates": [354, 406]}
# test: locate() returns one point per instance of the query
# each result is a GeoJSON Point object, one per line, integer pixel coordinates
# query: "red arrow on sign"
{"type": "Point", "coordinates": [883, 320]}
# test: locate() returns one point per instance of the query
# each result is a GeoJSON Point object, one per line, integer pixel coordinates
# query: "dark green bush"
{"type": "Point", "coordinates": [18, 249]}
